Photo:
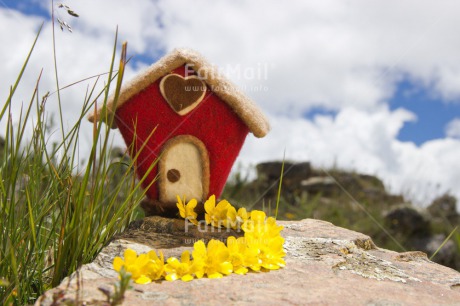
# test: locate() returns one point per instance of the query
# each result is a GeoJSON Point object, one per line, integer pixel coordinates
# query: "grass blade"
{"type": "Point", "coordinates": [444, 242]}
{"type": "Point", "coordinates": [279, 186]}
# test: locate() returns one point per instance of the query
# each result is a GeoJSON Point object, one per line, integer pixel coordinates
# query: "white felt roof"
{"type": "Point", "coordinates": [244, 107]}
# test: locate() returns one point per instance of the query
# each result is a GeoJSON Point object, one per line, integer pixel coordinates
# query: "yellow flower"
{"type": "Point", "coordinates": [254, 226]}
{"type": "Point", "coordinates": [182, 269]}
{"type": "Point", "coordinates": [156, 265]}
{"type": "Point", "coordinates": [241, 256]}
{"type": "Point", "coordinates": [213, 261]}
{"type": "Point", "coordinates": [273, 229]}
{"type": "Point", "coordinates": [136, 265]}
{"type": "Point", "coordinates": [258, 216]}
{"type": "Point", "coordinates": [236, 219]}
{"type": "Point", "coordinates": [199, 254]}
{"type": "Point", "coordinates": [264, 235]}
{"type": "Point", "coordinates": [187, 211]}
{"type": "Point", "coordinates": [242, 215]}
{"type": "Point", "coordinates": [270, 251]}
{"type": "Point", "coordinates": [272, 254]}
{"type": "Point", "coordinates": [216, 215]}
{"type": "Point", "coordinates": [231, 221]}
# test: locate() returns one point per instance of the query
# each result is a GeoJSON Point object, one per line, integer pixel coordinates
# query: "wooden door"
{"type": "Point", "coordinates": [183, 169]}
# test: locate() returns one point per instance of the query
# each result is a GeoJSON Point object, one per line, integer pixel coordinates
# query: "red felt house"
{"type": "Point", "coordinates": [182, 111]}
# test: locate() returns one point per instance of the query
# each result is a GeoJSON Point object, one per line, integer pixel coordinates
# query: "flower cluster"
{"type": "Point", "coordinates": [224, 214]}
{"type": "Point", "coordinates": [260, 248]}
{"type": "Point", "coordinates": [143, 268]}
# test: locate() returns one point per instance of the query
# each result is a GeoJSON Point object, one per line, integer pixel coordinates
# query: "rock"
{"type": "Point", "coordinates": [324, 185]}
{"type": "Point", "coordinates": [371, 180]}
{"type": "Point", "coordinates": [446, 256]}
{"type": "Point", "coordinates": [295, 172]}
{"type": "Point", "coordinates": [445, 208]}
{"type": "Point", "coordinates": [267, 182]}
{"type": "Point", "coordinates": [412, 228]}
{"type": "Point", "coordinates": [159, 232]}
{"type": "Point", "coordinates": [325, 265]}
{"type": "Point", "coordinates": [407, 221]}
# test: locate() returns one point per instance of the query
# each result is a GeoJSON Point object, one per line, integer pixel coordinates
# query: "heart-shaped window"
{"type": "Point", "coordinates": [182, 94]}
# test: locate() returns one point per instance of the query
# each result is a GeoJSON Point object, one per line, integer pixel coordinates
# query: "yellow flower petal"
{"type": "Point", "coordinates": [210, 204]}
{"type": "Point", "coordinates": [258, 216]}
{"type": "Point", "coordinates": [208, 219]}
{"type": "Point", "coordinates": [223, 205]}
{"type": "Point", "coordinates": [118, 263]}
{"type": "Point", "coordinates": [181, 207]}
{"type": "Point", "coordinates": [172, 264]}
{"type": "Point", "coordinates": [270, 266]}
{"type": "Point", "coordinates": [226, 268]}
{"type": "Point", "coordinates": [192, 204]}
{"type": "Point", "coordinates": [171, 277]}
{"type": "Point", "coordinates": [241, 270]}
{"type": "Point", "coordinates": [281, 263]}
{"type": "Point", "coordinates": [130, 256]}
{"type": "Point", "coordinates": [243, 214]}
{"type": "Point", "coordinates": [143, 280]}
{"type": "Point", "coordinates": [181, 211]}
{"type": "Point", "coordinates": [186, 278]}
{"type": "Point", "coordinates": [231, 218]}
{"type": "Point", "coordinates": [215, 275]}
{"type": "Point", "coordinates": [185, 257]}
{"type": "Point", "coordinates": [199, 249]}
{"type": "Point", "coordinates": [153, 255]}
{"type": "Point", "coordinates": [255, 268]}
{"type": "Point", "coordinates": [134, 270]}
{"type": "Point", "coordinates": [231, 241]}
{"type": "Point", "coordinates": [199, 273]}
{"type": "Point", "coordinates": [142, 260]}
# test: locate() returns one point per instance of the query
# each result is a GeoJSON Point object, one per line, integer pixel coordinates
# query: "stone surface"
{"type": "Point", "coordinates": [160, 233]}
{"type": "Point", "coordinates": [326, 265]}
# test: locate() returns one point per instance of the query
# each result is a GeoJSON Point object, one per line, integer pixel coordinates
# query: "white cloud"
{"type": "Point", "coordinates": [343, 56]}
{"type": "Point", "coordinates": [329, 53]}
{"type": "Point", "coordinates": [366, 142]}
{"type": "Point", "coordinates": [453, 128]}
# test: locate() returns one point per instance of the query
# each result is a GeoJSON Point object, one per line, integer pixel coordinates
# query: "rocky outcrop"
{"type": "Point", "coordinates": [301, 178]}
{"type": "Point", "coordinates": [444, 209]}
{"type": "Point", "coordinates": [356, 201]}
{"type": "Point", "coordinates": [407, 220]}
{"type": "Point", "coordinates": [325, 265]}
{"type": "Point", "coordinates": [427, 229]}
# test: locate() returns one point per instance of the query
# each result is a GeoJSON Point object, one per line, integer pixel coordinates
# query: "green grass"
{"type": "Point", "coordinates": [454, 231]}
{"type": "Point", "coordinates": [56, 213]}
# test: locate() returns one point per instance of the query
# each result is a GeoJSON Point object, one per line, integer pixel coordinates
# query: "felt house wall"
{"type": "Point", "coordinates": [199, 121]}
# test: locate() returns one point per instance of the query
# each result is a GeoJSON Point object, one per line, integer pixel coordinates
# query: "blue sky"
{"type": "Point", "coordinates": [29, 7]}
{"type": "Point", "coordinates": [433, 113]}
{"type": "Point", "coordinates": [372, 87]}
